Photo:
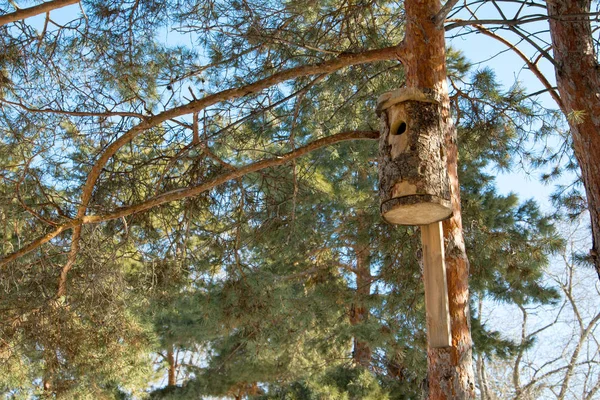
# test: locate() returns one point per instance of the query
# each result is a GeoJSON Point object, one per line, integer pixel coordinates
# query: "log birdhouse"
{"type": "Point", "coordinates": [415, 190]}
{"type": "Point", "coordinates": [413, 178]}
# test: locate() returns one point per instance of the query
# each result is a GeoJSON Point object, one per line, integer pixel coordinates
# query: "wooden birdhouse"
{"type": "Point", "coordinates": [413, 178]}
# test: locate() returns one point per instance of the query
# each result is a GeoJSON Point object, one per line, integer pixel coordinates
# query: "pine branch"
{"type": "Point", "coordinates": [343, 60]}
{"type": "Point", "coordinates": [183, 193]}
{"type": "Point", "coordinates": [43, 8]}
{"type": "Point", "coordinates": [197, 105]}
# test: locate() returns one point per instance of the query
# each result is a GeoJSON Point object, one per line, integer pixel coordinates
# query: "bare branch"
{"type": "Point", "coordinates": [541, 50]}
{"type": "Point", "coordinates": [528, 19]}
{"type": "Point", "coordinates": [532, 67]}
{"type": "Point", "coordinates": [443, 13]}
{"type": "Point", "coordinates": [47, 110]}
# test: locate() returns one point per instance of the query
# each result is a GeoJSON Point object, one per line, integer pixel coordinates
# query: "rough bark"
{"type": "Point", "coordinates": [450, 370]}
{"type": "Point", "coordinates": [412, 173]}
{"type": "Point", "coordinates": [578, 80]}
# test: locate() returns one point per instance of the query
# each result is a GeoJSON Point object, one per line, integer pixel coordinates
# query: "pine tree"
{"type": "Point", "coordinates": [393, 329]}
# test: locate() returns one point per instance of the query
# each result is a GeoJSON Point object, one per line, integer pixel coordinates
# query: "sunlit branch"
{"type": "Point", "coordinates": [341, 61]}
{"type": "Point", "coordinates": [35, 10]}
{"type": "Point", "coordinates": [183, 193]}
{"type": "Point", "coordinates": [344, 60]}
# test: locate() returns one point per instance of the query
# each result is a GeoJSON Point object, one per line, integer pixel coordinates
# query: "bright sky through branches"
{"type": "Point", "coordinates": [486, 52]}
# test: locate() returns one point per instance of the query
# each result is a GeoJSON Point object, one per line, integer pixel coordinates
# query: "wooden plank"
{"type": "Point", "coordinates": [436, 289]}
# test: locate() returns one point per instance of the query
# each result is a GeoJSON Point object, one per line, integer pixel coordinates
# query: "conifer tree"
{"type": "Point", "coordinates": [393, 332]}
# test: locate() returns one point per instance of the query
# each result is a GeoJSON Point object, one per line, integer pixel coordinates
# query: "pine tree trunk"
{"type": "Point", "coordinates": [578, 80]}
{"type": "Point", "coordinates": [361, 353]}
{"type": "Point", "coordinates": [48, 377]}
{"type": "Point", "coordinates": [47, 386]}
{"type": "Point", "coordinates": [450, 370]}
{"type": "Point", "coordinates": [172, 375]}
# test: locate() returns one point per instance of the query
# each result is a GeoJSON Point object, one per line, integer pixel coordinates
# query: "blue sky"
{"type": "Point", "coordinates": [484, 51]}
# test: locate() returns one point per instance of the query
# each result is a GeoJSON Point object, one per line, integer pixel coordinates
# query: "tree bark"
{"type": "Point", "coordinates": [578, 80]}
{"type": "Point", "coordinates": [359, 313]}
{"type": "Point", "coordinates": [172, 371]}
{"type": "Point", "coordinates": [450, 370]}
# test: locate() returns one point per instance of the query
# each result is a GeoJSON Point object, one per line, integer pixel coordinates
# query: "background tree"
{"type": "Point", "coordinates": [566, 41]}
{"type": "Point", "coordinates": [394, 334]}
{"type": "Point", "coordinates": [563, 367]}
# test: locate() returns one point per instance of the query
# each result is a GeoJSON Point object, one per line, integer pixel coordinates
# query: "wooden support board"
{"type": "Point", "coordinates": [436, 289]}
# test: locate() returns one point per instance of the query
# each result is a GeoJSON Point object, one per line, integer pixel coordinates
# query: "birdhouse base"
{"type": "Point", "coordinates": [418, 209]}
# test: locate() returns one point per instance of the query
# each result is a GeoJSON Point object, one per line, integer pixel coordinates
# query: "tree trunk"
{"type": "Point", "coordinates": [578, 80]}
{"type": "Point", "coordinates": [172, 372]}
{"type": "Point", "coordinates": [359, 313]}
{"type": "Point", "coordinates": [49, 375]}
{"type": "Point", "coordinates": [450, 370]}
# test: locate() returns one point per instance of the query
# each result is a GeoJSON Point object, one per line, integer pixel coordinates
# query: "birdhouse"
{"type": "Point", "coordinates": [413, 177]}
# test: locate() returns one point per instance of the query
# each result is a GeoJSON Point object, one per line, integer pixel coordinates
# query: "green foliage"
{"type": "Point", "coordinates": [337, 383]}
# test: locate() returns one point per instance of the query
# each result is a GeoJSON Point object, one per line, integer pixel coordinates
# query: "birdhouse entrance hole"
{"type": "Point", "coordinates": [401, 128]}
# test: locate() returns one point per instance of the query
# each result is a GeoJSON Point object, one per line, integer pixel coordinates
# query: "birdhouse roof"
{"type": "Point", "coordinates": [401, 95]}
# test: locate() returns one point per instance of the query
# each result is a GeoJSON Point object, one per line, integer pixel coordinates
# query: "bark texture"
{"type": "Point", "coordinates": [413, 183]}
{"type": "Point", "coordinates": [450, 370]}
{"type": "Point", "coordinates": [578, 80]}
